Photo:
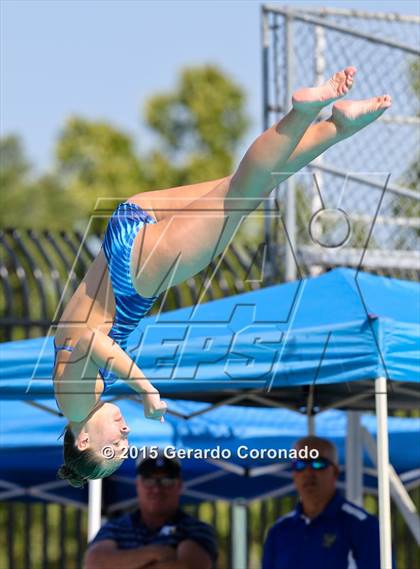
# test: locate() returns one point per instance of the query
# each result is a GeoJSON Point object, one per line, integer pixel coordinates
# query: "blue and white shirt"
{"type": "Point", "coordinates": [342, 536]}
{"type": "Point", "coordinates": [130, 532]}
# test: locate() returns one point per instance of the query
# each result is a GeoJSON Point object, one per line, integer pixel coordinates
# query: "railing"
{"type": "Point", "coordinates": [40, 270]}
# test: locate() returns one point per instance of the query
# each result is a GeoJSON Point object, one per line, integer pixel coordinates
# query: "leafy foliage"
{"type": "Point", "coordinates": [198, 127]}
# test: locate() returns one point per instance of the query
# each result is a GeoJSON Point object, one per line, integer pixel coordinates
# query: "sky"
{"type": "Point", "coordinates": [103, 58]}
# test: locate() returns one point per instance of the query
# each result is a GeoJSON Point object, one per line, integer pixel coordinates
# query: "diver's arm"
{"type": "Point", "coordinates": [95, 350]}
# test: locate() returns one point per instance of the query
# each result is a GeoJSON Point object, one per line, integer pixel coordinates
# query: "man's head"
{"type": "Point", "coordinates": [159, 486]}
{"type": "Point", "coordinates": [316, 481]}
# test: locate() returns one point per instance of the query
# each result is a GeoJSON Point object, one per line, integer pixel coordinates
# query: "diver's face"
{"type": "Point", "coordinates": [107, 429]}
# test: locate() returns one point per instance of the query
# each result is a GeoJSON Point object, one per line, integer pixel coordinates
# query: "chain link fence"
{"type": "Point", "coordinates": [305, 47]}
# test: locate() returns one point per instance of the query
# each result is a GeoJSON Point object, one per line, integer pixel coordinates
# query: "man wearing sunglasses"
{"type": "Point", "coordinates": [159, 535]}
{"type": "Point", "coordinates": [325, 530]}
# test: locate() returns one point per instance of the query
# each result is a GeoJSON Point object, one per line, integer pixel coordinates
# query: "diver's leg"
{"type": "Point", "coordinates": [184, 243]}
{"type": "Point", "coordinates": [348, 117]}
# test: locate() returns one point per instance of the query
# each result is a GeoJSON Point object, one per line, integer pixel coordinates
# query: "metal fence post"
{"type": "Point", "coordinates": [320, 64]}
{"type": "Point", "coordinates": [290, 264]}
{"type": "Point", "coordinates": [265, 36]}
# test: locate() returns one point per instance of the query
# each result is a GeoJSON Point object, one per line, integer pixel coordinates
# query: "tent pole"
{"type": "Point", "coordinates": [402, 498]}
{"type": "Point", "coordinates": [354, 459]}
{"type": "Point", "coordinates": [311, 424]}
{"type": "Point", "coordinates": [94, 508]}
{"type": "Point", "coordinates": [381, 403]}
{"type": "Point", "coordinates": [239, 535]}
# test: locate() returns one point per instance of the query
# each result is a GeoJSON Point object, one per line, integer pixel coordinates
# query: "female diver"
{"type": "Point", "coordinates": [158, 239]}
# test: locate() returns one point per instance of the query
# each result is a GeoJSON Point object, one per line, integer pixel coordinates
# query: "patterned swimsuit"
{"type": "Point", "coordinates": [130, 307]}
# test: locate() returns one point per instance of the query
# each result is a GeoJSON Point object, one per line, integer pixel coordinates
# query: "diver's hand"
{"type": "Point", "coordinates": [154, 407]}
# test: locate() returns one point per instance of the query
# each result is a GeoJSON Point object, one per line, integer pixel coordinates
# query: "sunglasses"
{"type": "Point", "coordinates": [319, 463]}
{"type": "Point", "coordinates": [165, 482]}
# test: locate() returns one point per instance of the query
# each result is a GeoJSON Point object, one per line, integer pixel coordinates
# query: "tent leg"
{"type": "Point", "coordinates": [354, 465]}
{"type": "Point", "coordinates": [239, 535]}
{"type": "Point", "coordinates": [381, 402]}
{"type": "Point", "coordinates": [402, 498]}
{"type": "Point", "coordinates": [311, 424]}
{"type": "Point", "coordinates": [94, 508]}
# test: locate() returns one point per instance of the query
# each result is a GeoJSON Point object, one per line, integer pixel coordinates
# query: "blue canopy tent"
{"type": "Point", "coordinates": [335, 333]}
{"type": "Point", "coordinates": [309, 345]}
{"type": "Point", "coordinates": [239, 467]}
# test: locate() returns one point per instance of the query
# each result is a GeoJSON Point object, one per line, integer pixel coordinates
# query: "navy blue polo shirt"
{"type": "Point", "coordinates": [342, 536]}
{"type": "Point", "coordinates": [130, 532]}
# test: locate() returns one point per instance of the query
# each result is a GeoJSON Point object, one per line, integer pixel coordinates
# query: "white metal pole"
{"type": "Point", "coordinates": [290, 264]}
{"type": "Point", "coordinates": [265, 36]}
{"type": "Point", "coordinates": [311, 424]}
{"type": "Point", "coordinates": [239, 535]}
{"type": "Point", "coordinates": [383, 472]}
{"type": "Point", "coordinates": [402, 498]}
{"type": "Point", "coordinates": [316, 202]}
{"type": "Point", "coordinates": [94, 508]}
{"type": "Point", "coordinates": [354, 459]}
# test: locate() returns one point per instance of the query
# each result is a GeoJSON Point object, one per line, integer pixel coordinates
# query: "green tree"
{"type": "Point", "coordinates": [14, 171]}
{"type": "Point", "coordinates": [96, 160]}
{"type": "Point", "coordinates": [27, 200]}
{"type": "Point", "coordinates": [199, 126]}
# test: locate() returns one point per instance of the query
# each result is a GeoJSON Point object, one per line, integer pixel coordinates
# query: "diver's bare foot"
{"type": "Point", "coordinates": [350, 116]}
{"type": "Point", "coordinates": [310, 99]}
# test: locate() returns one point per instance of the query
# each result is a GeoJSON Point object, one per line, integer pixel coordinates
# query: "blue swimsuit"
{"type": "Point", "coordinates": [130, 307]}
